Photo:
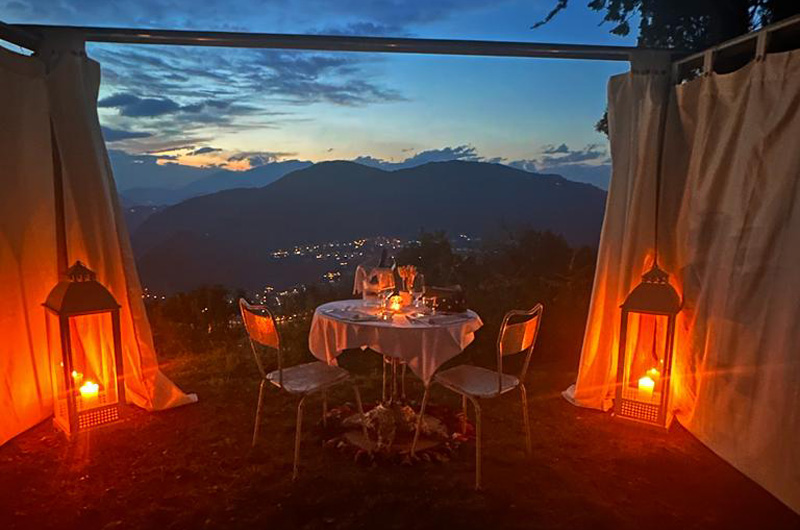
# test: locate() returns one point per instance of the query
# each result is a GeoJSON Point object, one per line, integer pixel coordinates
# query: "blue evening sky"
{"type": "Point", "coordinates": [241, 108]}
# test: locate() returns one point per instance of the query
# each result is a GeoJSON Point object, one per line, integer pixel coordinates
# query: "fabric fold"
{"type": "Point", "coordinates": [60, 88]}
{"type": "Point", "coordinates": [729, 223]}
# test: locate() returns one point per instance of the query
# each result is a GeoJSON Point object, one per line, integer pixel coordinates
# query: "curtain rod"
{"type": "Point", "coordinates": [340, 43]}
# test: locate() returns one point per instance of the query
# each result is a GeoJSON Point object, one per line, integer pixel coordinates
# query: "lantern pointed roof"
{"type": "Point", "coordinates": [80, 293]}
{"type": "Point", "coordinates": [654, 294]}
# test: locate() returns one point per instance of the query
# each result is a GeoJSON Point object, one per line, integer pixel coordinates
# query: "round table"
{"type": "Point", "coordinates": [424, 343]}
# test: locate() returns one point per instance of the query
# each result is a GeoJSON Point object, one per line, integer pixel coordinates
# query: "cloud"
{"type": "Point", "coordinates": [590, 164]}
{"type": "Point", "coordinates": [116, 135]}
{"type": "Point", "coordinates": [298, 15]}
{"type": "Point", "coordinates": [208, 92]}
{"type": "Point", "coordinates": [259, 158]}
{"type": "Point", "coordinates": [205, 150]}
{"type": "Point", "coordinates": [461, 152]}
{"type": "Point", "coordinates": [365, 29]}
{"type": "Point", "coordinates": [304, 78]}
{"type": "Point", "coordinates": [551, 149]}
{"type": "Point", "coordinates": [136, 107]}
{"type": "Point", "coordinates": [131, 105]}
{"type": "Point", "coordinates": [592, 152]}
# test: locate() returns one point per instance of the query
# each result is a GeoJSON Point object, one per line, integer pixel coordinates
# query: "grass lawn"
{"type": "Point", "coordinates": [193, 467]}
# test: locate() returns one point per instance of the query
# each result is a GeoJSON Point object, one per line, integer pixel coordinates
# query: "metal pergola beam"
{"type": "Point", "coordinates": [31, 36]}
{"type": "Point", "coordinates": [333, 43]}
{"type": "Point", "coordinates": [20, 37]}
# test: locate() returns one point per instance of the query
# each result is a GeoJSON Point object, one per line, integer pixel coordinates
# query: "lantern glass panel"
{"type": "Point", "coordinates": [57, 372]}
{"type": "Point", "coordinates": [644, 363]}
{"type": "Point", "coordinates": [85, 369]}
{"type": "Point", "coordinates": [93, 365]}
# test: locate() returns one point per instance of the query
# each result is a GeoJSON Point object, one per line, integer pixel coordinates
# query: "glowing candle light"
{"type": "Point", "coordinates": [89, 392]}
{"type": "Point", "coordinates": [646, 387]}
{"type": "Point", "coordinates": [396, 303]}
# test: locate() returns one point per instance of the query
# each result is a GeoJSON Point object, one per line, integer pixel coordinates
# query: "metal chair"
{"type": "Point", "coordinates": [301, 380]}
{"type": "Point", "coordinates": [517, 334]}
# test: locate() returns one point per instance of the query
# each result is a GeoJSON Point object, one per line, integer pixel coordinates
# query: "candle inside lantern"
{"type": "Point", "coordinates": [396, 303]}
{"type": "Point", "coordinates": [89, 392]}
{"type": "Point", "coordinates": [646, 387]}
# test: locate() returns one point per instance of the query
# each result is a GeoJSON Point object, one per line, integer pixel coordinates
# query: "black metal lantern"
{"type": "Point", "coordinates": [83, 333]}
{"type": "Point", "coordinates": [646, 344]}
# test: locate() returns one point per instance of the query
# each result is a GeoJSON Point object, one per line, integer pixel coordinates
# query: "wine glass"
{"type": "Point", "coordinates": [370, 292]}
{"type": "Point", "coordinates": [418, 289]}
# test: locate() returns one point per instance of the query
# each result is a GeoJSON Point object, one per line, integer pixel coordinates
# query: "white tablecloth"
{"type": "Point", "coordinates": [424, 346]}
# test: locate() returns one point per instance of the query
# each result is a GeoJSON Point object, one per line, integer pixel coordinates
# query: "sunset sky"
{"type": "Point", "coordinates": [241, 108]}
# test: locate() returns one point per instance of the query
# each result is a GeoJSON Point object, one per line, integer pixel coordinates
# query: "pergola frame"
{"type": "Point", "coordinates": [31, 37]}
{"type": "Point", "coordinates": [724, 57]}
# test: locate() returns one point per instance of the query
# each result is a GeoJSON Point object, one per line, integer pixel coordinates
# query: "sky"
{"type": "Point", "coordinates": [238, 108]}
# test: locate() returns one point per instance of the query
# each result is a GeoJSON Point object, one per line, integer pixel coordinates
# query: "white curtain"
{"type": "Point", "coordinates": [61, 85]}
{"type": "Point", "coordinates": [729, 233]}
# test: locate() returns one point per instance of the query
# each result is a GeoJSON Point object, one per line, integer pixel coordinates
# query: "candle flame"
{"type": "Point", "coordinates": [646, 383]}
{"type": "Point", "coordinates": [89, 389]}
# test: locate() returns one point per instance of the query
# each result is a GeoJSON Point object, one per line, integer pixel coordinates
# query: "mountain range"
{"type": "Point", "coordinates": [143, 181]}
{"type": "Point", "coordinates": [228, 237]}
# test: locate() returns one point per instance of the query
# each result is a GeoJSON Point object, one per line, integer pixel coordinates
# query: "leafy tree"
{"type": "Point", "coordinates": [689, 25]}
{"type": "Point", "coordinates": [433, 255]}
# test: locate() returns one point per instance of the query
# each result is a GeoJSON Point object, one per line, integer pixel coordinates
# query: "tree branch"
{"type": "Point", "coordinates": [560, 6]}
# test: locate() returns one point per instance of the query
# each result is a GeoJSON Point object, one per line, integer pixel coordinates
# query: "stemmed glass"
{"type": "Point", "coordinates": [386, 289]}
{"type": "Point", "coordinates": [418, 289]}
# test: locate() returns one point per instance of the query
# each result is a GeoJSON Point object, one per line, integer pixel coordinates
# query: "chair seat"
{"type": "Point", "coordinates": [475, 381]}
{"type": "Point", "coordinates": [309, 377]}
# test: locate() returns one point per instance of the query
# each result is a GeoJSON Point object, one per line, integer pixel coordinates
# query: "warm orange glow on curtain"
{"type": "Point", "coordinates": [730, 224]}
{"type": "Point", "coordinates": [96, 234]}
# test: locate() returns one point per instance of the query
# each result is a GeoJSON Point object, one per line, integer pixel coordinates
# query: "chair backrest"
{"type": "Point", "coordinates": [518, 334]}
{"type": "Point", "coordinates": [261, 329]}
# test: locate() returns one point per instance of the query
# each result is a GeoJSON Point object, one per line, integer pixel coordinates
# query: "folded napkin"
{"type": "Point", "coordinates": [351, 315]}
{"type": "Point", "coordinates": [441, 320]}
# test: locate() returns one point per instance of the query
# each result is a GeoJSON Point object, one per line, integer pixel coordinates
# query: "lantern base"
{"type": "Point", "coordinates": [91, 419]}
{"type": "Point", "coordinates": [643, 413]}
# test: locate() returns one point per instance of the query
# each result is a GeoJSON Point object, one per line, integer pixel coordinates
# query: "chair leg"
{"type": "Point", "coordinates": [478, 436]}
{"type": "Point", "coordinates": [525, 420]}
{"type": "Point", "coordinates": [403, 382]}
{"type": "Point", "coordinates": [383, 386]}
{"type": "Point", "coordinates": [258, 411]}
{"type": "Point", "coordinates": [464, 416]}
{"type": "Point", "coordinates": [419, 419]}
{"type": "Point", "coordinates": [297, 435]}
{"type": "Point", "coordinates": [360, 411]}
{"type": "Point", "coordinates": [324, 408]}
{"type": "Point", "coordinates": [394, 381]}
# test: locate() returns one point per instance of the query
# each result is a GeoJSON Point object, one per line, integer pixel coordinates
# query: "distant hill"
{"type": "Point", "coordinates": [144, 171]}
{"type": "Point", "coordinates": [142, 181]}
{"type": "Point", "coordinates": [136, 215]}
{"type": "Point", "coordinates": [258, 177]}
{"type": "Point", "coordinates": [227, 237]}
